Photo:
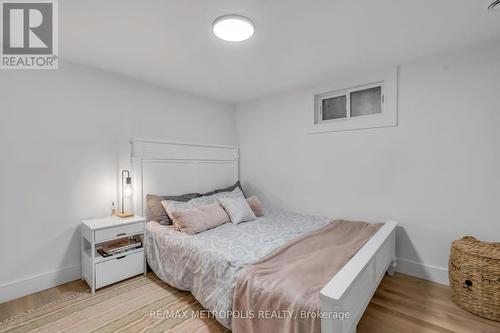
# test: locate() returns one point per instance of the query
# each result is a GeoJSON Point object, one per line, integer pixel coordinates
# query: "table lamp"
{"type": "Point", "coordinates": [126, 193]}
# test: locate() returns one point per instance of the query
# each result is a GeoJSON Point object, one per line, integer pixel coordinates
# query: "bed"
{"type": "Point", "coordinates": [208, 263]}
{"type": "Point", "coordinates": [217, 255]}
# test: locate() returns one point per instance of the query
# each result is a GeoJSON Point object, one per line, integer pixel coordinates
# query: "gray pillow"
{"type": "Point", "coordinates": [227, 189]}
{"type": "Point", "coordinates": [155, 210]}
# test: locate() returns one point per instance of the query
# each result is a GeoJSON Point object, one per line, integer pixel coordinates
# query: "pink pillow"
{"type": "Point", "coordinates": [201, 218]}
{"type": "Point", "coordinates": [254, 203]}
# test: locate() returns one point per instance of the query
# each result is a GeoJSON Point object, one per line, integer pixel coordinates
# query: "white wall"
{"type": "Point", "coordinates": [63, 138]}
{"type": "Point", "coordinates": [437, 172]}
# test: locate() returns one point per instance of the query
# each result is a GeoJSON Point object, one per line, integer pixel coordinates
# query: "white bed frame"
{"type": "Point", "coordinates": [171, 168]}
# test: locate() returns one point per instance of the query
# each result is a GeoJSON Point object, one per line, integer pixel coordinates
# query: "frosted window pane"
{"type": "Point", "coordinates": [334, 108]}
{"type": "Point", "coordinates": [368, 101]}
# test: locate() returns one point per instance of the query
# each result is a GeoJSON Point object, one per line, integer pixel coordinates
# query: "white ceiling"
{"type": "Point", "coordinates": [296, 43]}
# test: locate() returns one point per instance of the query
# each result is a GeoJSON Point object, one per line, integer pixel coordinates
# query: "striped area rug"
{"type": "Point", "coordinates": [141, 304]}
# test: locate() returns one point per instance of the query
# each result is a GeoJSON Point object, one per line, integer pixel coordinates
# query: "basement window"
{"type": "Point", "coordinates": [346, 104]}
{"type": "Point", "coordinates": [365, 101]}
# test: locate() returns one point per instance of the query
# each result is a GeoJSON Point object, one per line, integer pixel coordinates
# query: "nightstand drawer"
{"type": "Point", "coordinates": [118, 231]}
{"type": "Point", "coordinates": [118, 269]}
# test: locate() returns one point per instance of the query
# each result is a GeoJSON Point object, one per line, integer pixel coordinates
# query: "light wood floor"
{"type": "Point", "coordinates": [401, 304]}
{"type": "Point", "coordinates": [41, 298]}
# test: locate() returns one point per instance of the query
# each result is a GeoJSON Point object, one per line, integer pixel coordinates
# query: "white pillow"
{"type": "Point", "coordinates": [177, 206]}
{"type": "Point", "coordinates": [237, 208]}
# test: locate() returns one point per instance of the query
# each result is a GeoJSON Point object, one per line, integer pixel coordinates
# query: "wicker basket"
{"type": "Point", "coordinates": [474, 273]}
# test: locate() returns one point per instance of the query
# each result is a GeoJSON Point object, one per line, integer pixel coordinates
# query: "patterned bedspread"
{"type": "Point", "coordinates": [207, 264]}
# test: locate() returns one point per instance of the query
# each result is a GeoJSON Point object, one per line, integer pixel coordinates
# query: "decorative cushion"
{"type": "Point", "coordinates": [256, 206]}
{"type": "Point", "coordinates": [237, 208]}
{"type": "Point", "coordinates": [177, 206]}
{"type": "Point", "coordinates": [157, 213]}
{"type": "Point", "coordinates": [198, 219]}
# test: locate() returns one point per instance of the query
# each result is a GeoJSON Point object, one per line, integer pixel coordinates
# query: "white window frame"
{"type": "Point", "coordinates": [388, 81]}
{"type": "Point", "coordinates": [347, 93]}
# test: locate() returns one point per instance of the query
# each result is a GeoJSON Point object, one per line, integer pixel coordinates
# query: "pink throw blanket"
{"type": "Point", "coordinates": [276, 293]}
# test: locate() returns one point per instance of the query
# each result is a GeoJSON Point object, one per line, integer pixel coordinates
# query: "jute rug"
{"type": "Point", "coordinates": [141, 304]}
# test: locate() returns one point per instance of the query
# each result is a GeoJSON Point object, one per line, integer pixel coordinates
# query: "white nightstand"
{"type": "Point", "coordinates": [100, 271]}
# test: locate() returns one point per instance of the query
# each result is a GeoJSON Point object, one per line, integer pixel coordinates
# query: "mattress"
{"type": "Point", "coordinates": [207, 264]}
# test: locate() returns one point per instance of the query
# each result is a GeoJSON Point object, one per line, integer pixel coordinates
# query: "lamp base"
{"type": "Point", "coordinates": [124, 215]}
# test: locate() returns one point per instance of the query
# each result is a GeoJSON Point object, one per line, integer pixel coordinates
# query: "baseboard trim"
{"type": "Point", "coordinates": [422, 271]}
{"type": "Point", "coordinates": [52, 279]}
{"type": "Point", "coordinates": [38, 283]}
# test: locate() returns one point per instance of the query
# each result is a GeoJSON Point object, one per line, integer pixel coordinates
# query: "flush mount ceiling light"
{"type": "Point", "coordinates": [233, 28]}
{"type": "Point", "coordinates": [495, 5]}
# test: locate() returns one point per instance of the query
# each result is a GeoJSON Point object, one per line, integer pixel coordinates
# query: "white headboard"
{"type": "Point", "coordinates": [174, 168]}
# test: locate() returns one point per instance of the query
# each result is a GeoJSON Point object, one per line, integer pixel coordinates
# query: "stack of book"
{"type": "Point", "coordinates": [119, 246]}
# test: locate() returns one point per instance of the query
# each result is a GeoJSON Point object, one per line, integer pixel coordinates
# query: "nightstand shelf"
{"type": "Point", "coordinates": [98, 258]}
{"type": "Point", "coordinates": [99, 271]}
